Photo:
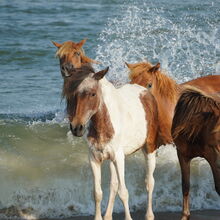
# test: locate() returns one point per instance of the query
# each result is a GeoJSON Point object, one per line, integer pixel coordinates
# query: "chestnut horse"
{"type": "Point", "coordinates": [196, 133]}
{"type": "Point", "coordinates": [166, 92]}
{"type": "Point", "coordinates": [71, 55]}
{"type": "Point", "coordinates": [119, 122]}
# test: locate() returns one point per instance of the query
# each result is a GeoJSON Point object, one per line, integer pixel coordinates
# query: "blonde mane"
{"type": "Point", "coordinates": [69, 47]}
{"type": "Point", "coordinates": [166, 86]}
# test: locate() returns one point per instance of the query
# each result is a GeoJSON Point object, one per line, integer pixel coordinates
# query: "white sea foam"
{"type": "Point", "coordinates": [66, 188]}
{"type": "Point", "coordinates": [185, 50]}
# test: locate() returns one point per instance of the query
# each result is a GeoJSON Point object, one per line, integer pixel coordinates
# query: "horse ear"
{"type": "Point", "coordinates": [81, 43]}
{"type": "Point", "coordinates": [127, 64]}
{"type": "Point", "coordinates": [99, 75]}
{"type": "Point", "coordinates": [56, 44]}
{"type": "Point", "coordinates": [155, 68]}
{"type": "Point", "coordinates": [130, 66]}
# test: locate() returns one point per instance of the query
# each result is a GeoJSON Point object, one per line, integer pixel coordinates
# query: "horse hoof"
{"type": "Point", "coordinates": [184, 217]}
{"type": "Point", "coordinates": [98, 218]}
{"type": "Point", "coordinates": [107, 217]}
{"type": "Point", "coordinates": [149, 217]}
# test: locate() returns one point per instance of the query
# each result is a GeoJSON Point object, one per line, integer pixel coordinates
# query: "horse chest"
{"type": "Point", "coordinates": [102, 154]}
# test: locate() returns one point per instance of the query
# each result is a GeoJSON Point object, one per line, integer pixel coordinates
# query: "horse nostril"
{"type": "Point", "coordinates": [69, 66]}
{"type": "Point", "coordinates": [77, 130]}
{"type": "Point", "coordinates": [80, 127]}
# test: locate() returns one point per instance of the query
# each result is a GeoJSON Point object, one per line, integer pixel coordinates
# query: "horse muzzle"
{"type": "Point", "coordinates": [67, 69]}
{"type": "Point", "coordinates": [78, 130]}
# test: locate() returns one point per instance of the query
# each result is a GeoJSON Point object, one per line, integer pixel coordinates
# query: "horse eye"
{"type": "Point", "coordinates": [149, 85]}
{"type": "Point", "coordinates": [93, 94]}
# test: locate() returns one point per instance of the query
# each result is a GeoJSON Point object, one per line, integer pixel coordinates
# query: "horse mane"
{"type": "Point", "coordinates": [195, 111]}
{"type": "Point", "coordinates": [139, 68]}
{"type": "Point", "coordinates": [167, 87]}
{"type": "Point", "coordinates": [68, 47]}
{"type": "Point", "coordinates": [76, 77]}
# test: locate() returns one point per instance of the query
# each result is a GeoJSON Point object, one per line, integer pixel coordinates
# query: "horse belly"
{"type": "Point", "coordinates": [129, 119]}
{"type": "Point", "coordinates": [134, 130]}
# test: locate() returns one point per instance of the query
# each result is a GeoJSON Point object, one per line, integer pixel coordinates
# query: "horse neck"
{"type": "Point", "coordinates": [100, 129]}
{"type": "Point", "coordinates": [165, 91]}
{"type": "Point", "coordinates": [86, 64]}
{"type": "Point", "coordinates": [166, 87]}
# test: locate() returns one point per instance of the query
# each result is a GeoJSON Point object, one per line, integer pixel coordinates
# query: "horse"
{"type": "Point", "coordinates": [166, 93]}
{"type": "Point", "coordinates": [117, 122]}
{"type": "Point", "coordinates": [196, 133]}
{"type": "Point", "coordinates": [71, 55]}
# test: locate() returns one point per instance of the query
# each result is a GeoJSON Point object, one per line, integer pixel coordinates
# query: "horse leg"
{"type": "Point", "coordinates": [185, 170]}
{"type": "Point", "coordinates": [122, 190]}
{"type": "Point", "coordinates": [96, 169]}
{"type": "Point", "coordinates": [113, 192]}
{"type": "Point", "coordinates": [150, 159]}
{"type": "Point", "coordinates": [213, 160]}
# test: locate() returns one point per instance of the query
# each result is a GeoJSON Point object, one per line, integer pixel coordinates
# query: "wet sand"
{"type": "Point", "coordinates": [139, 215]}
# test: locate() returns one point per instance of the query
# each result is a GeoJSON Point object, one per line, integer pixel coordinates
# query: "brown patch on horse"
{"type": "Point", "coordinates": [151, 114]}
{"type": "Point", "coordinates": [194, 112]}
{"type": "Point", "coordinates": [100, 129]}
{"type": "Point", "coordinates": [140, 73]}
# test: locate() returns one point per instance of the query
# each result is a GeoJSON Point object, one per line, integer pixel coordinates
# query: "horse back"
{"type": "Point", "coordinates": [209, 84]}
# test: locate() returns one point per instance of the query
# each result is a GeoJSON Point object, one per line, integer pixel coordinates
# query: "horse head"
{"type": "Point", "coordinates": [71, 56]}
{"type": "Point", "coordinates": [143, 73]}
{"type": "Point", "coordinates": [83, 95]}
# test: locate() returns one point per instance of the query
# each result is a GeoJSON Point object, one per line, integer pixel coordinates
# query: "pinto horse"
{"type": "Point", "coordinates": [196, 133]}
{"type": "Point", "coordinates": [166, 93]}
{"type": "Point", "coordinates": [72, 55]}
{"type": "Point", "coordinates": [119, 121]}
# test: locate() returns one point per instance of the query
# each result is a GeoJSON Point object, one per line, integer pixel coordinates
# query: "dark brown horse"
{"type": "Point", "coordinates": [72, 55]}
{"type": "Point", "coordinates": [196, 133]}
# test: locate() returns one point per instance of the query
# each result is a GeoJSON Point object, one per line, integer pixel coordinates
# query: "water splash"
{"type": "Point", "coordinates": [186, 48]}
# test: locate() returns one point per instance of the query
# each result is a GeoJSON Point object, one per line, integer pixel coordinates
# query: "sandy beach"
{"type": "Point", "coordinates": [195, 215]}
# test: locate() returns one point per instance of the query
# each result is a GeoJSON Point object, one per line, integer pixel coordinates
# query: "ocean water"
{"type": "Point", "coordinates": [44, 170]}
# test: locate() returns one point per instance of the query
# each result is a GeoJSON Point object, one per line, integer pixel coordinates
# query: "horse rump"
{"type": "Point", "coordinates": [195, 112]}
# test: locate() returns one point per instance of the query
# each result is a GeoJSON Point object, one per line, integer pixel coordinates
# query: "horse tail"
{"type": "Point", "coordinates": [195, 110]}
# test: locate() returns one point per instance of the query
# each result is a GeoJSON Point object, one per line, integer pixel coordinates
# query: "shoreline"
{"type": "Point", "coordinates": [195, 215]}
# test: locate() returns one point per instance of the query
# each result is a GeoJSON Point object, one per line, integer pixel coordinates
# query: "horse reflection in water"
{"type": "Point", "coordinates": [119, 122]}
